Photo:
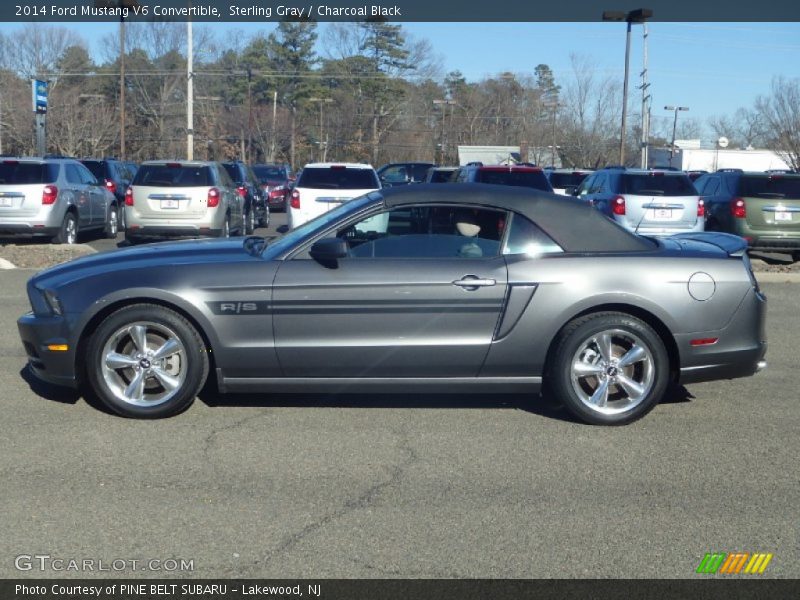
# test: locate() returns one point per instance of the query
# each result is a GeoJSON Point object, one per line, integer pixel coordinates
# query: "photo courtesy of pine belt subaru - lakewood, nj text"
{"type": "Point", "coordinates": [450, 287]}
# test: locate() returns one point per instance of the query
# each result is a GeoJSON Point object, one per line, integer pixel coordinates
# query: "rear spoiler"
{"type": "Point", "coordinates": [731, 244]}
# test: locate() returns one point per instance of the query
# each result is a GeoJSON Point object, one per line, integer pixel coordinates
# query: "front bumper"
{"type": "Point", "coordinates": [37, 333]}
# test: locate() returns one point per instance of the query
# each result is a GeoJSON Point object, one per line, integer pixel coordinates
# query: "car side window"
{"type": "Point", "coordinates": [72, 174]}
{"type": "Point", "coordinates": [711, 187]}
{"type": "Point", "coordinates": [525, 237]}
{"type": "Point", "coordinates": [86, 175]}
{"type": "Point", "coordinates": [427, 232]}
{"type": "Point", "coordinates": [599, 184]}
{"type": "Point", "coordinates": [586, 184]}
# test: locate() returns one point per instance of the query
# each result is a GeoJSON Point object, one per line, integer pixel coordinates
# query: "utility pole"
{"type": "Point", "coordinates": [674, 128]}
{"type": "Point", "coordinates": [645, 102]}
{"type": "Point", "coordinates": [189, 93]}
{"type": "Point", "coordinates": [121, 87]}
{"type": "Point", "coordinates": [248, 158]}
{"type": "Point", "coordinates": [274, 131]}
{"type": "Point", "coordinates": [639, 16]}
{"type": "Point", "coordinates": [442, 140]}
{"type": "Point", "coordinates": [321, 101]}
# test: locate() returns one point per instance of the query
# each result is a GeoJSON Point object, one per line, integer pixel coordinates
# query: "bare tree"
{"type": "Point", "coordinates": [780, 114]}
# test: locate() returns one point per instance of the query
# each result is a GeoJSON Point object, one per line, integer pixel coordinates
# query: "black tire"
{"type": "Point", "coordinates": [68, 234]}
{"type": "Point", "coordinates": [123, 223]}
{"type": "Point", "coordinates": [266, 217]}
{"type": "Point", "coordinates": [115, 384]}
{"type": "Point", "coordinates": [796, 256]}
{"type": "Point", "coordinates": [250, 221]}
{"type": "Point", "coordinates": [578, 368]}
{"type": "Point", "coordinates": [112, 225]}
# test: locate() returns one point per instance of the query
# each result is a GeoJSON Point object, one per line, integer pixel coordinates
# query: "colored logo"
{"type": "Point", "coordinates": [734, 563]}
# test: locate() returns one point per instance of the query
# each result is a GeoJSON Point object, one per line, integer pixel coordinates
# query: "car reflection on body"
{"type": "Point", "coordinates": [444, 288]}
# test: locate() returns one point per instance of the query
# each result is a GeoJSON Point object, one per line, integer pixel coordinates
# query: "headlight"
{"type": "Point", "coordinates": [53, 302]}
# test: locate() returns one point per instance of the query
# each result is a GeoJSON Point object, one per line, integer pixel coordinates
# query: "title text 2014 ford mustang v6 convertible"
{"type": "Point", "coordinates": [451, 288]}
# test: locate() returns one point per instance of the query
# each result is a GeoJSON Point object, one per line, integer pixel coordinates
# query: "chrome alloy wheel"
{"type": "Point", "coordinates": [612, 371]}
{"type": "Point", "coordinates": [71, 231]}
{"type": "Point", "coordinates": [144, 364]}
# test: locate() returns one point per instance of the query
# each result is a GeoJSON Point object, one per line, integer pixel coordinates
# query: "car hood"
{"type": "Point", "coordinates": [161, 255]}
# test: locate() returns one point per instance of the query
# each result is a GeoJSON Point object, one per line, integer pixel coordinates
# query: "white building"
{"type": "Point", "coordinates": [690, 156]}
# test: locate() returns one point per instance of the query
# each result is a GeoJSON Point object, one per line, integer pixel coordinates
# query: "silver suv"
{"type": "Point", "coordinates": [649, 202]}
{"type": "Point", "coordinates": [54, 198]}
{"type": "Point", "coordinates": [174, 199]}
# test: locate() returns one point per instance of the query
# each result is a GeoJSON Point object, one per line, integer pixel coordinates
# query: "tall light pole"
{"type": "Point", "coordinates": [443, 103]}
{"type": "Point", "coordinates": [321, 101]}
{"type": "Point", "coordinates": [189, 92]}
{"type": "Point", "coordinates": [640, 15]}
{"type": "Point", "coordinates": [674, 128]}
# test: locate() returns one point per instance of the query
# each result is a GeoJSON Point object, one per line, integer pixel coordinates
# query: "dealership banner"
{"type": "Point", "coordinates": [396, 589]}
{"type": "Point", "coordinates": [391, 10]}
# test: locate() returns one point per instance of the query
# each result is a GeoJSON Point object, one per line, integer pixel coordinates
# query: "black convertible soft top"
{"type": "Point", "coordinates": [572, 223]}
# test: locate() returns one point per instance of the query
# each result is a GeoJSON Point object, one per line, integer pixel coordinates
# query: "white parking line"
{"type": "Point", "coordinates": [4, 264]}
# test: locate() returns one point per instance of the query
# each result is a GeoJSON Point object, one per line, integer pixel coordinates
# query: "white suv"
{"type": "Point", "coordinates": [323, 186]}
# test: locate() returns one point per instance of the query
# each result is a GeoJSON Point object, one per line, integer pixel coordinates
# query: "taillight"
{"type": "Point", "coordinates": [738, 208]}
{"type": "Point", "coordinates": [129, 197]}
{"type": "Point", "coordinates": [213, 197]}
{"type": "Point", "coordinates": [242, 191]}
{"type": "Point", "coordinates": [618, 205]}
{"type": "Point", "coordinates": [277, 193]}
{"type": "Point", "coordinates": [701, 208]}
{"type": "Point", "coordinates": [111, 186]}
{"type": "Point", "coordinates": [295, 201]}
{"type": "Point", "coordinates": [49, 194]}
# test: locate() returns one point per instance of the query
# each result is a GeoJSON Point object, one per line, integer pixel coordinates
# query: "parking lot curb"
{"type": "Point", "coordinates": [5, 264]}
{"type": "Point", "coordinates": [771, 277]}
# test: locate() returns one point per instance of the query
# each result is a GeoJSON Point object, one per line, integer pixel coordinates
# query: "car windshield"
{"type": "Point", "coordinates": [563, 180]}
{"type": "Point", "coordinates": [776, 186]}
{"type": "Point", "coordinates": [320, 223]}
{"type": "Point", "coordinates": [269, 173]}
{"type": "Point", "coordinates": [340, 178]}
{"type": "Point", "coordinates": [15, 172]}
{"type": "Point", "coordinates": [173, 176]}
{"type": "Point", "coordinates": [532, 179]}
{"type": "Point", "coordinates": [657, 184]}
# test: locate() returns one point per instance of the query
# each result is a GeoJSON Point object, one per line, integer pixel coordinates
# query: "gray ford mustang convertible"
{"type": "Point", "coordinates": [443, 288]}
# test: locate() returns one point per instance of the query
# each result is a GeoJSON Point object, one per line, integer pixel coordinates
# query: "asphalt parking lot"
{"type": "Point", "coordinates": [421, 486]}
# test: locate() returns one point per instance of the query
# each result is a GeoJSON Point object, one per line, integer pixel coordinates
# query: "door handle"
{"type": "Point", "coordinates": [473, 282]}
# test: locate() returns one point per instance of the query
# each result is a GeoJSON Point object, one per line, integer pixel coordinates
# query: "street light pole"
{"type": "Point", "coordinates": [674, 128]}
{"type": "Point", "coordinates": [640, 15]}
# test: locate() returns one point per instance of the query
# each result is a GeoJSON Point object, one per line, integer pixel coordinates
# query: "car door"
{"type": "Point", "coordinates": [81, 193]}
{"type": "Point", "coordinates": [415, 298]}
{"type": "Point", "coordinates": [98, 196]}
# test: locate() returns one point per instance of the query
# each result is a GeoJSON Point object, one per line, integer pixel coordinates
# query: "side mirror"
{"type": "Point", "coordinates": [328, 251]}
{"type": "Point", "coordinates": [575, 192]}
{"type": "Point", "coordinates": [570, 190]}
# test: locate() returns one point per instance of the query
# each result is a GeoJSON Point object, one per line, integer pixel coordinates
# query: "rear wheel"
{"type": "Point", "coordinates": [225, 232]}
{"type": "Point", "coordinates": [796, 256]}
{"type": "Point", "coordinates": [146, 361]}
{"type": "Point", "coordinates": [68, 234]}
{"type": "Point", "coordinates": [608, 368]}
{"type": "Point", "coordinates": [112, 225]}
{"type": "Point", "coordinates": [250, 221]}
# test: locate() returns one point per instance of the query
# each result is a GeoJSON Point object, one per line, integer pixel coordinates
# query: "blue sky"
{"type": "Point", "coordinates": [713, 68]}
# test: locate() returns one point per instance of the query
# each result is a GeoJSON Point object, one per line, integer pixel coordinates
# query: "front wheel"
{"type": "Point", "coordinates": [608, 368]}
{"type": "Point", "coordinates": [146, 361]}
